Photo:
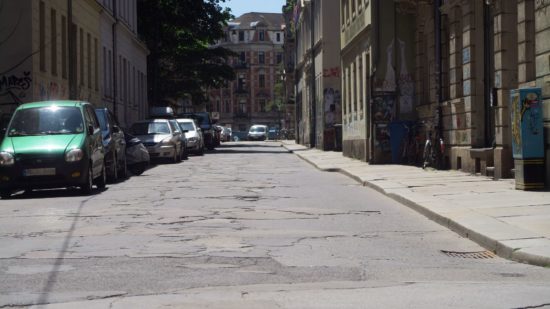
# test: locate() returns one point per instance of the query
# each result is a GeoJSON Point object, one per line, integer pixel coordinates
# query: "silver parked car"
{"type": "Point", "coordinates": [195, 142]}
{"type": "Point", "coordinates": [161, 137]}
{"type": "Point", "coordinates": [257, 132]}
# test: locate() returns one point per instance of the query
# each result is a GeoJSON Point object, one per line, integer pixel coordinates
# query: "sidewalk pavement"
{"type": "Point", "coordinates": [514, 224]}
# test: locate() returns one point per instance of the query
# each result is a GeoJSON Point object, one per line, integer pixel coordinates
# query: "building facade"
{"type": "Point", "coordinates": [486, 49]}
{"type": "Point", "coordinates": [123, 62]}
{"type": "Point", "coordinates": [289, 59]}
{"type": "Point", "coordinates": [318, 74]}
{"type": "Point", "coordinates": [55, 50]}
{"type": "Point", "coordinates": [256, 96]}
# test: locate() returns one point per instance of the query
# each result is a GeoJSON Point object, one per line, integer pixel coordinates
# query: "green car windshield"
{"type": "Point", "coordinates": [46, 120]}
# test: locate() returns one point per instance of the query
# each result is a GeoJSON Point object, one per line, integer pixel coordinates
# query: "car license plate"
{"type": "Point", "coordinates": [39, 172]}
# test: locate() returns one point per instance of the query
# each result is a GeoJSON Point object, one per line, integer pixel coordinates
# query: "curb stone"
{"type": "Point", "coordinates": [493, 245]}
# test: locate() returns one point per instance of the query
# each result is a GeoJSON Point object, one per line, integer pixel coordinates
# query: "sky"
{"type": "Point", "coordinates": [239, 7]}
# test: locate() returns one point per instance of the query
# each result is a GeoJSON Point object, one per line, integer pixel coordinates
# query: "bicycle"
{"type": "Point", "coordinates": [434, 151]}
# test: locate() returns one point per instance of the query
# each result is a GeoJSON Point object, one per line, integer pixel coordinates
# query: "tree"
{"type": "Point", "coordinates": [180, 35]}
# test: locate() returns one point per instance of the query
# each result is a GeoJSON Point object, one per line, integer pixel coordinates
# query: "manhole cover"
{"type": "Point", "coordinates": [470, 255]}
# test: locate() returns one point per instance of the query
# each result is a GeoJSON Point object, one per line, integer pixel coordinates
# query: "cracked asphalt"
{"type": "Point", "coordinates": [246, 226]}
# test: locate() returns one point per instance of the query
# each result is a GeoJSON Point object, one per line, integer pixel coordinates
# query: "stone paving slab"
{"type": "Point", "coordinates": [514, 224]}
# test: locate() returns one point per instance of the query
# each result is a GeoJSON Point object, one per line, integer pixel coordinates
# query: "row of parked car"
{"type": "Point", "coordinates": [55, 144]}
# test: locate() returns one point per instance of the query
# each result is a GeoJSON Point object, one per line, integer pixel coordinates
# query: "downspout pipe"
{"type": "Point", "coordinates": [313, 94]}
{"type": "Point", "coordinates": [115, 52]}
{"type": "Point", "coordinates": [72, 49]}
{"type": "Point", "coordinates": [439, 62]}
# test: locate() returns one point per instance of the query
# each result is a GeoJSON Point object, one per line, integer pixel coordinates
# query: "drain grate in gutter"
{"type": "Point", "coordinates": [470, 255]}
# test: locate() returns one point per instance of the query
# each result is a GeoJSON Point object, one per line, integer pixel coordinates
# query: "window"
{"type": "Point", "coordinates": [278, 37]}
{"type": "Point", "coordinates": [53, 29]}
{"type": "Point", "coordinates": [218, 105]}
{"type": "Point", "coordinates": [243, 57]}
{"type": "Point", "coordinates": [42, 21]}
{"type": "Point", "coordinates": [261, 35]}
{"type": "Point", "coordinates": [81, 56]}
{"type": "Point", "coordinates": [261, 103]}
{"type": "Point", "coordinates": [261, 57]}
{"type": "Point", "coordinates": [242, 106]}
{"type": "Point", "coordinates": [227, 105]}
{"type": "Point", "coordinates": [241, 36]}
{"type": "Point", "coordinates": [64, 47]}
{"type": "Point", "coordinates": [89, 55]}
{"type": "Point", "coordinates": [105, 71]}
{"type": "Point", "coordinates": [279, 58]}
{"type": "Point", "coordinates": [96, 68]}
{"type": "Point", "coordinates": [261, 78]}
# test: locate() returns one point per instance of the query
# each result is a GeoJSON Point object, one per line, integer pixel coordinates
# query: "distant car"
{"type": "Point", "coordinates": [207, 127]}
{"type": "Point", "coordinates": [257, 132]}
{"type": "Point", "coordinates": [161, 137]}
{"type": "Point", "coordinates": [195, 142]}
{"type": "Point", "coordinates": [217, 135]}
{"type": "Point", "coordinates": [52, 144]}
{"type": "Point", "coordinates": [226, 134]}
{"type": "Point", "coordinates": [114, 143]}
{"type": "Point", "coordinates": [183, 138]}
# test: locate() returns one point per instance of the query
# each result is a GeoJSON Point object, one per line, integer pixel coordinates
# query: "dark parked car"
{"type": "Point", "coordinates": [207, 127]}
{"type": "Point", "coordinates": [114, 143]}
{"type": "Point", "coordinates": [52, 144]}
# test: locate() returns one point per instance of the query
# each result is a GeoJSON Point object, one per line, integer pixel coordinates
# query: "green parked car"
{"type": "Point", "coordinates": [50, 145]}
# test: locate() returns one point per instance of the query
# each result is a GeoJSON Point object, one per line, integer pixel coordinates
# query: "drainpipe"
{"type": "Point", "coordinates": [72, 50]}
{"type": "Point", "coordinates": [313, 133]}
{"type": "Point", "coordinates": [115, 81]}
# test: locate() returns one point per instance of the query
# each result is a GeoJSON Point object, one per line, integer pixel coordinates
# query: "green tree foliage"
{"type": "Point", "coordinates": [179, 35]}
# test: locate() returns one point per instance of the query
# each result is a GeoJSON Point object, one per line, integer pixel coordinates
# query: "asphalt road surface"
{"type": "Point", "coordinates": [248, 225]}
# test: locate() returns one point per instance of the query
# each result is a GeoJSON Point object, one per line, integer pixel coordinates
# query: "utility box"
{"type": "Point", "coordinates": [527, 138]}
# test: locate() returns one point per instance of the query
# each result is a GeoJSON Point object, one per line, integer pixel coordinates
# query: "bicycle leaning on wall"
{"type": "Point", "coordinates": [434, 151]}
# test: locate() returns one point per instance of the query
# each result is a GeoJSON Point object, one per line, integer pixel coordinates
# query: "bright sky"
{"type": "Point", "coordinates": [239, 7]}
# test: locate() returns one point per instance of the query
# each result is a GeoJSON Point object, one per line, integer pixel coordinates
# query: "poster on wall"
{"type": "Point", "coordinates": [383, 107]}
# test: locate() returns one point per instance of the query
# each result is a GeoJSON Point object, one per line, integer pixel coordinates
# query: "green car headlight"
{"type": "Point", "coordinates": [6, 159]}
{"type": "Point", "coordinates": [74, 155]}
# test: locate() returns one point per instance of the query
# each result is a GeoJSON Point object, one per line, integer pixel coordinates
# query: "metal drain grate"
{"type": "Point", "coordinates": [470, 255]}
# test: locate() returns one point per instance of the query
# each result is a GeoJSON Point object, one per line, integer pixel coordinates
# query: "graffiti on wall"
{"type": "Point", "coordinates": [15, 85]}
{"type": "Point", "coordinates": [51, 91]}
{"type": "Point", "coordinates": [383, 107]}
{"type": "Point", "coordinates": [332, 105]}
{"type": "Point", "coordinates": [331, 72]}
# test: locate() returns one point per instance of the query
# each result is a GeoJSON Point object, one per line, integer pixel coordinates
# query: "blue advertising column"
{"type": "Point", "coordinates": [527, 138]}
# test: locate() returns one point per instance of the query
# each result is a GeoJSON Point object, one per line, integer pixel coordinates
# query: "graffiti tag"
{"type": "Point", "coordinates": [13, 82]}
{"type": "Point", "coordinates": [331, 72]}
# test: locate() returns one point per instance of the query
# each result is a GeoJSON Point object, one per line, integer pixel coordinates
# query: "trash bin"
{"type": "Point", "coordinates": [527, 138]}
{"type": "Point", "coordinates": [337, 137]}
{"type": "Point", "coordinates": [398, 133]}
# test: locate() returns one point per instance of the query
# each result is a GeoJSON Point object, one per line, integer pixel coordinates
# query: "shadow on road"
{"type": "Point", "coordinates": [52, 275]}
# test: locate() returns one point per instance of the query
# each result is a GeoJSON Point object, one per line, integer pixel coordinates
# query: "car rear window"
{"type": "Point", "coordinates": [146, 128]}
{"type": "Point", "coordinates": [257, 129]}
{"type": "Point", "coordinates": [187, 126]}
